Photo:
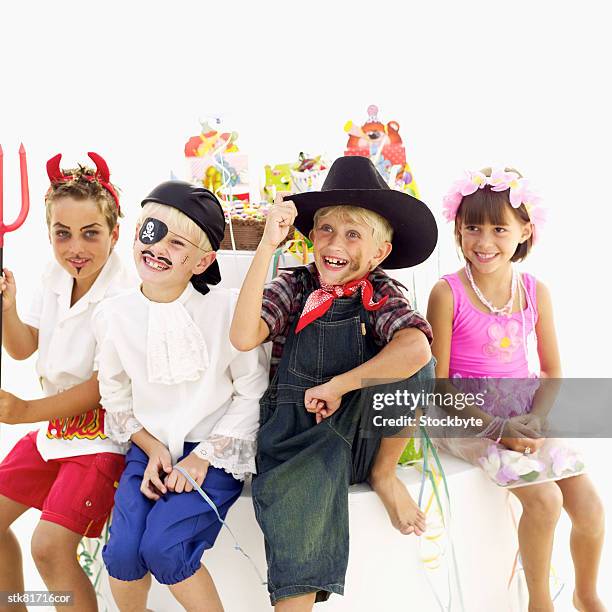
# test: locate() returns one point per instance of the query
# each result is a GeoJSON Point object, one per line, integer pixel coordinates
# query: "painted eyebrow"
{"type": "Point", "coordinates": [58, 224]}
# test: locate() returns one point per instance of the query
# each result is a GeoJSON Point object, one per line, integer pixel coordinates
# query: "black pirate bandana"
{"type": "Point", "coordinates": [203, 208]}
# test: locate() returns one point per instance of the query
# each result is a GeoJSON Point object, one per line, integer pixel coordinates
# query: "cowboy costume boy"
{"type": "Point", "coordinates": [334, 324]}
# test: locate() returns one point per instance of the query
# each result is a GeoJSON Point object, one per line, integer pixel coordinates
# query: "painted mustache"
{"type": "Point", "coordinates": [166, 261]}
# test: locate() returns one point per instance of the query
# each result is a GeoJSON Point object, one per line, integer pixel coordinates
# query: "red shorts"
{"type": "Point", "coordinates": [75, 492]}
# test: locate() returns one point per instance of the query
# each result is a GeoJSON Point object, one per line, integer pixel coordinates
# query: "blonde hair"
{"type": "Point", "coordinates": [381, 228]}
{"type": "Point", "coordinates": [179, 221]}
{"type": "Point", "coordinates": [81, 188]}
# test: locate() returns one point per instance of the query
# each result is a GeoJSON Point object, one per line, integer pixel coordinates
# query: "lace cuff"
{"type": "Point", "coordinates": [121, 425]}
{"type": "Point", "coordinates": [234, 455]}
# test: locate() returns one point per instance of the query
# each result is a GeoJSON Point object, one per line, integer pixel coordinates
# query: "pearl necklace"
{"type": "Point", "coordinates": [506, 310]}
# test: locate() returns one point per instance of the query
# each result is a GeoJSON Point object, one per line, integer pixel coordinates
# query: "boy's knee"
{"type": "Point", "coordinates": [122, 558]}
{"type": "Point", "coordinates": [423, 380]}
{"type": "Point", "coordinates": [150, 548]}
{"type": "Point", "coordinates": [45, 551]}
{"type": "Point", "coordinates": [427, 373]}
{"type": "Point", "coordinates": [164, 559]}
{"type": "Point", "coordinates": [9, 512]}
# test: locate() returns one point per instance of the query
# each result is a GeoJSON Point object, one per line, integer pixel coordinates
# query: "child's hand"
{"type": "Point", "coordinates": [159, 461]}
{"type": "Point", "coordinates": [520, 445]}
{"type": "Point", "coordinates": [516, 428]}
{"type": "Point", "coordinates": [8, 289]}
{"type": "Point", "coordinates": [197, 468]}
{"type": "Point", "coordinates": [323, 400]}
{"type": "Point", "coordinates": [12, 408]}
{"type": "Point", "coordinates": [534, 422]}
{"type": "Point", "coordinates": [280, 218]}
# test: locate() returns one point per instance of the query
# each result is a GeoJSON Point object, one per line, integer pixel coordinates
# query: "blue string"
{"type": "Point", "coordinates": [212, 504]}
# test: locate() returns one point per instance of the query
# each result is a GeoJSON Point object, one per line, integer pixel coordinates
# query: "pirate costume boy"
{"type": "Point", "coordinates": [168, 367]}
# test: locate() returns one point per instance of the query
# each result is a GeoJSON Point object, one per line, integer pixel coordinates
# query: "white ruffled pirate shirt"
{"type": "Point", "coordinates": [170, 368]}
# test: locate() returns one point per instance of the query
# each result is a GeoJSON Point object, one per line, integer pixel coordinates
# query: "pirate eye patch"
{"type": "Point", "coordinates": [152, 231]}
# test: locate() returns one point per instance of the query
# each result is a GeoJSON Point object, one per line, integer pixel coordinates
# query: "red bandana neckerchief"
{"type": "Point", "coordinates": [320, 300]}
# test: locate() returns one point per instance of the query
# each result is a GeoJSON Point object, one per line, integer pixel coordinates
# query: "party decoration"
{"type": "Point", "coordinates": [278, 178]}
{"type": "Point", "coordinates": [89, 556]}
{"type": "Point", "coordinates": [215, 162]}
{"type": "Point", "coordinates": [383, 145]}
{"type": "Point", "coordinates": [412, 453]}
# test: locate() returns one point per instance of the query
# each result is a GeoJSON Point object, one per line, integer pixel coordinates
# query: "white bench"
{"type": "Point", "coordinates": [385, 571]}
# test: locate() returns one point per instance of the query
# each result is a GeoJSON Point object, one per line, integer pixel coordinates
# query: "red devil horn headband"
{"type": "Point", "coordinates": [102, 171]}
{"type": "Point", "coordinates": [102, 174]}
{"type": "Point", "coordinates": [53, 170]}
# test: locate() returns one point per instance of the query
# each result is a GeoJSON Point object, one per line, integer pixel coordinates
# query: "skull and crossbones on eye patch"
{"type": "Point", "coordinates": [154, 230]}
{"type": "Point", "coordinates": [149, 232]}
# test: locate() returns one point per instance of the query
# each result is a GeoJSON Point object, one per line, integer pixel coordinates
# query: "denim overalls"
{"type": "Point", "coordinates": [304, 470]}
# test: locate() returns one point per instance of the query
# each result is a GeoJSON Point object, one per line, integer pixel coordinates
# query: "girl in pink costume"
{"type": "Point", "coordinates": [482, 317]}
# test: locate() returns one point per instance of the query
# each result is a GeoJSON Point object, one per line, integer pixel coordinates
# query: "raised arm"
{"type": "Point", "coordinates": [248, 329]}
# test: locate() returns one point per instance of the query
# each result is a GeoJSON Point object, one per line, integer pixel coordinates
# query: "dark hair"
{"type": "Point", "coordinates": [487, 206]}
{"type": "Point", "coordinates": [82, 188]}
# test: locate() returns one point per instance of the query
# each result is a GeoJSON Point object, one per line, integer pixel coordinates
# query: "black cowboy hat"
{"type": "Point", "coordinates": [355, 181]}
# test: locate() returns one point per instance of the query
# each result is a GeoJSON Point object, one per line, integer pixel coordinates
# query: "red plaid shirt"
{"type": "Point", "coordinates": [283, 301]}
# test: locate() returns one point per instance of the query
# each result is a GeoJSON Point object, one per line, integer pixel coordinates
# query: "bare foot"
{"type": "Point", "coordinates": [588, 604]}
{"type": "Point", "coordinates": [403, 511]}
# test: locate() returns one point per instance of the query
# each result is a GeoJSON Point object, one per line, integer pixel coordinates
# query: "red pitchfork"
{"type": "Point", "coordinates": [23, 213]}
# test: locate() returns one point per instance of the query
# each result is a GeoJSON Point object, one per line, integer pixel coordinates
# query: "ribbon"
{"type": "Point", "coordinates": [430, 474]}
{"type": "Point", "coordinates": [211, 503]}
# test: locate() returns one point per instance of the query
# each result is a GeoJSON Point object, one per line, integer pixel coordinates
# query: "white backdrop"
{"type": "Point", "coordinates": [471, 83]}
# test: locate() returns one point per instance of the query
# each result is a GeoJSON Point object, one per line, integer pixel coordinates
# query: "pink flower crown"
{"type": "Point", "coordinates": [500, 180]}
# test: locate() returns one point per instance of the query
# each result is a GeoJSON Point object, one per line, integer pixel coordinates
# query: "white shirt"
{"type": "Point", "coordinates": [66, 350]}
{"type": "Point", "coordinates": [170, 368]}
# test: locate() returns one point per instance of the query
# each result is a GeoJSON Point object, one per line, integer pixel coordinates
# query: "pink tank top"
{"type": "Point", "coordinates": [488, 345]}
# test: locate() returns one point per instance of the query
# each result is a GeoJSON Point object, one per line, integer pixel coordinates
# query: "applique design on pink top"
{"type": "Point", "coordinates": [504, 340]}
